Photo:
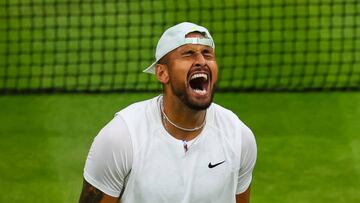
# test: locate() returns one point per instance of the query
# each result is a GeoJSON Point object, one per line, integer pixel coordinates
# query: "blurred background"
{"type": "Point", "coordinates": [290, 69]}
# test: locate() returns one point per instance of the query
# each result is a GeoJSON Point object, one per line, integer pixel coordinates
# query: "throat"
{"type": "Point", "coordinates": [171, 124]}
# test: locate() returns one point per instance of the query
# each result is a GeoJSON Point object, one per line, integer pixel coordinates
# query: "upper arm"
{"type": "Point", "coordinates": [110, 158]}
{"type": "Point", "coordinates": [90, 194]}
{"type": "Point", "coordinates": [247, 160]}
{"type": "Point", "coordinates": [243, 197]}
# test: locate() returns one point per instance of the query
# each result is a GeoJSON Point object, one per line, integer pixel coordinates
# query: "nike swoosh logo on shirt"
{"type": "Point", "coordinates": [212, 166]}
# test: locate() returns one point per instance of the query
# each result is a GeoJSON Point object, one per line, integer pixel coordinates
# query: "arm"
{"type": "Point", "coordinates": [243, 197]}
{"type": "Point", "coordinates": [108, 163]}
{"type": "Point", "coordinates": [247, 164]}
{"type": "Point", "coordinates": [90, 194]}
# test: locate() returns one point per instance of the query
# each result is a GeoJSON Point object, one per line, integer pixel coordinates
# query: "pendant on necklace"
{"type": "Point", "coordinates": [185, 145]}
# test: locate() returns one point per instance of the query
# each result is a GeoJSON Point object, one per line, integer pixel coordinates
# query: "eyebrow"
{"type": "Point", "coordinates": [209, 49]}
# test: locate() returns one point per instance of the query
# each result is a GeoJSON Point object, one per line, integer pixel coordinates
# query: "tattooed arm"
{"type": "Point", "coordinates": [243, 197]}
{"type": "Point", "coordinates": [90, 194]}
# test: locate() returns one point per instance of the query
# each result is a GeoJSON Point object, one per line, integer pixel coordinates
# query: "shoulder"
{"type": "Point", "coordinates": [113, 133]}
{"type": "Point", "coordinates": [225, 117]}
{"type": "Point", "coordinates": [140, 120]}
{"type": "Point", "coordinates": [137, 110]}
{"type": "Point", "coordinates": [121, 124]}
{"type": "Point", "coordinates": [232, 127]}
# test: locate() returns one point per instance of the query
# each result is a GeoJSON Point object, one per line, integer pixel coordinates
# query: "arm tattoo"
{"type": "Point", "coordinates": [90, 194]}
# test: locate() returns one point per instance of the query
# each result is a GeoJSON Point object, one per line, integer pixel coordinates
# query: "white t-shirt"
{"type": "Point", "coordinates": [135, 157]}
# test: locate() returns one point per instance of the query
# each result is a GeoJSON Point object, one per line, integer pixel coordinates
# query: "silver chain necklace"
{"type": "Point", "coordinates": [179, 127]}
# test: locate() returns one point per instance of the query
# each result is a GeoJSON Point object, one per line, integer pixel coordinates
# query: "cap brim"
{"type": "Point", "coordinates": [150, 69]}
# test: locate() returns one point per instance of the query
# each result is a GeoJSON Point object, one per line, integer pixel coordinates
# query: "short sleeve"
{"type": "Point", "coordinates": [110, 158]}
{"type": "Point", "coordinates": [248, 160]}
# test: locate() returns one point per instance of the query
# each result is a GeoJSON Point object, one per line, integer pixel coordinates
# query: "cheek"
{"type": "Point", "coordinates": [179, 71]}
{"type": "Point", "coordinates": [178, 77]}
{"type": "Point", "coordinates": [214, 73]}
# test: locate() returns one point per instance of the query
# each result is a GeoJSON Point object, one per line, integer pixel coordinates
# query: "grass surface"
{"type": "Point", "coordinates": [308, 144]}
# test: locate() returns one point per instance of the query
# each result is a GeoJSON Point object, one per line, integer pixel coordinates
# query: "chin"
{"type": "Point", "coordinates": [194, 100]}
{"type": "Point", "coordinates": [198, 107]}
{"type": "Point", "coordinates": [197, 103]}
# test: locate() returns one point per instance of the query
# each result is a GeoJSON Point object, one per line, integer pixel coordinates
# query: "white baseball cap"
{"type": "Point", "coordinates": [175, 37]}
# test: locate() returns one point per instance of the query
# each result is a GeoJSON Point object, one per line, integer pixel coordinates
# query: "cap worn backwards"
{"type": "Point", "coordinates": [175, 37]}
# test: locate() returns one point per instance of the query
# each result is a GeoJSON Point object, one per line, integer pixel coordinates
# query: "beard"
{"type": "Point", "coordinates": [194, 105]}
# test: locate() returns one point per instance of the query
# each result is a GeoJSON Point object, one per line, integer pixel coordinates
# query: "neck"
{"type": "Point", "coordinates": [182, 116]}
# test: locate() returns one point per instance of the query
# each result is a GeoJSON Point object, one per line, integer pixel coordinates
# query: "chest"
{"type": "Point", "coordinates": [162, 169]}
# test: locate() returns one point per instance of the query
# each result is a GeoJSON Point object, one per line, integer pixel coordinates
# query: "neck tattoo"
{"type": "Point", "coordinates": [175, 125]}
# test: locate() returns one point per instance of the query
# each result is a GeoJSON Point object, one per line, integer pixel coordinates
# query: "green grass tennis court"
{"type": "Point", "coordinates": [308, 144]}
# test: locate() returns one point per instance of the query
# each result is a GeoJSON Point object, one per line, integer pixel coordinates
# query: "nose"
{"type": "Point", "coordinates": [199, 60]}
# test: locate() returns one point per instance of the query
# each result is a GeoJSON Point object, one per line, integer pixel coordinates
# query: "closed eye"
{"type": "Point", "coordinates": [188, 53]}
{"type": "Point", "coordinates": [208, 54]}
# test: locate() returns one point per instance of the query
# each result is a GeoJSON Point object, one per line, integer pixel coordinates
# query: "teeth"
{"type": "Point", "coordinates": [198, 75]}
{"type": "Point", "coordinates": [200, 91]}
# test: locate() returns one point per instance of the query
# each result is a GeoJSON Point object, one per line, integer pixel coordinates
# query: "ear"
{"type": "Point", "coordinates": [162, 73]}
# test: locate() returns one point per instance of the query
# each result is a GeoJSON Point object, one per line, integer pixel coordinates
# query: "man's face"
{"type": "Point", "coordinates": [193, 73]}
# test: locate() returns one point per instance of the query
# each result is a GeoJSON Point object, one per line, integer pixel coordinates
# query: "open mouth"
{"type": "Point", "coordinates": [199, 83]}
